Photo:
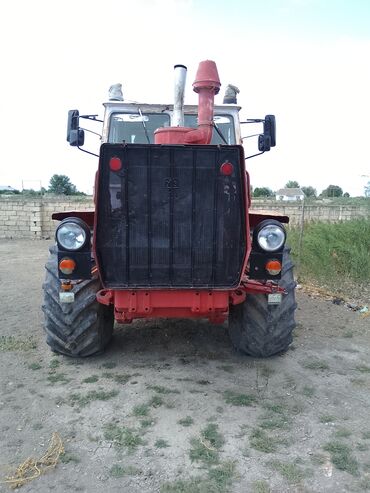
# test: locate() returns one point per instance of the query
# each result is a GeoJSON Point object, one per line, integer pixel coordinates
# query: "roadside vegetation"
{"type": "Point", "coordinates": [331, 254]}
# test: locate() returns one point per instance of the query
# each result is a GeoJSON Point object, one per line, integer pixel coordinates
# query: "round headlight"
{"type": "Point", "coordinates": [71, 236]}
{"type": "Point", "coordinates": [271, 237]}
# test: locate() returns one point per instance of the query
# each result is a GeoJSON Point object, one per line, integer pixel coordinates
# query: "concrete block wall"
{"type": "Point", "coordinates": [30, 217]}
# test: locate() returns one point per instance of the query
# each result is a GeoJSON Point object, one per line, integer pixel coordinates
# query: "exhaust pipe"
{"type": "Point", "coordinates": [178, 107]}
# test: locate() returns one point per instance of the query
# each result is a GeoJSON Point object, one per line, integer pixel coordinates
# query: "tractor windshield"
{"type": "Point", "coordinates": [136, 128]}
{"type": "Point", "coordinates": [225, 125]}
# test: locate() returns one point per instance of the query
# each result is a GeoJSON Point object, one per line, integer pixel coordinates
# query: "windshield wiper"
{"type": "Point", "coordinates": [220, 133]}
{"type": "Point", "coordinates": [145, 129]}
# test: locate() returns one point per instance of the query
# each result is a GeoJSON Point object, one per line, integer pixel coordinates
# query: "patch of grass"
{"type": "Point", "coordinates": [362, 447]}
{"type": "Point", "coordinates": [54, 363]}
{"type": "Point", "coordinates": [260, 486]}
{"type": "Point", "coordinates": [122, 436]}
{"type": "Point", "coordinates": [363, 368]}
{"type": "Point", "coordinates": [315, 364]}
{"type": "Point", "coordinates": [266, 371]}
{"type": "Point", "coordinates": [219, 480]}
{"type": "Point", "coordinates": [12, 343]}
{"type": "Point", "coordinates": [93, 395]}
{"type": "Point", "coordinates": [308, 391]}
{"type": "Point", "coordinates": [236, 399]}
{"type": "Point", "coordinates": [37, 426]}
{"type": "Point", "coordinates": [141, 410]}
{"type": "Point", "coordinates": [348, 334]}
{"type": "Point", "coordinates": [262, 442]}
{"type": "Point", "coordinates": [213, 436]}
{"type": "Point", "coordinates": [365, 484]}
{"type": "Point", "coordinates": [91, 379]}
{"type": "Point", "coordinates": [289, 470]}
{"type": "Point", "coordinates": [162, 390]}
{"type": "Point", "coordinates": [156, 401]}
{"type": "Point", "coordinates": [160, 443]}
{"type": "Point", "coordinates": [342, 457]}
{"type": "Point", "coordinates": [366, 435]}
{"type": "Point", "coordinates": [277, 422]}
{"type": "Point", "coordinates": [58, 378]}
{"type": "Point", "coordinates": [34, 366]}
{"type": "Point", "coordinates": [188, 421]}
{"type": "Point", "coordinates": [342, 433]}
{"type": "Point", "coordinates": [121, 378]}
{"type": "Point", "coordinates": [206, 448]}
{"type": "Point", "coordinates": [118, 471]}
{"type": "Point", "coordinates": [203, 382]}
{"type": "Point", "coordinates": [66, 458]}
{"type": "Point", "coordinates": [327, 418]}
{"type": "Point", "coordinates": [109, 365]}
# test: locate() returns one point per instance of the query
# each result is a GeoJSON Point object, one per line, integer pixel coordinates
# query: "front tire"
{"type": "Point", "coordinates": [77, 329]}
{"type": "Point", "coordinates": [262, 330]}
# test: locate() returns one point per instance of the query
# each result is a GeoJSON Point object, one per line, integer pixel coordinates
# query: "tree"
{"type": "Point", "coordinates": [309, 191]}
{"type": "Point", "coordinates": [346, 194]}
{"type": "Point", "coordinates": [332, 191]}
{"type": "Point", "coordinates": [61, 185]}
{"type": "Point", "coordinates": [263, 192]}
{"type": "Point", "coordinates": [292, 184]}
{"type": "Point", "coordinates": [367, 189]}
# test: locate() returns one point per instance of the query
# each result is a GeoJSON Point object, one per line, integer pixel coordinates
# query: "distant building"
{"type": "Point", "coordinates": [290, 194]}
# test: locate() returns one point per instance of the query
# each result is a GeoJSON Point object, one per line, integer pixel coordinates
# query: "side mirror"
{"type": "Point", "coordinates": [76, 138]}
{"type": "Point", "coordinates": [264, 143]}
{"type": "Point", "coordinates": [73, 123]}
{"type": "Point", "coordinates": [269, 129]}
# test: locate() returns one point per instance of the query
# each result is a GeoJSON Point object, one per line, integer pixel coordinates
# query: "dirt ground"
{"type": "Point", "coordinates": [171, 407]}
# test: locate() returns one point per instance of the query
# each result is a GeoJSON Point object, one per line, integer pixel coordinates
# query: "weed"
{"type": "Point", "coordinates": [203, 382]}
{"type": "Point", "coordinates": [308, 391]}
{"type": "Point", "coordinates": [366, 435]}
{"type": "Point", "coordinates": [213, 436]}
{"type": "Point", "coordinates": [219, 409]}
{"type": "Point", "coordinates": [342, 433]}
{"type": "Point", "coordinates": [34, 366]}
{"type": "Point", "coordinates": [290, 471]}
{"type": "Point", "coordinates": [141, 410]}
{"type": "Point", "coordinates": [218, 481]}
{"type": "Point", "coordinates": [37, 426]}
{"type": "Point", "coordinates": [315, 364]}
{"type": "Point", "coordinates": [118, 471]}
{"type": "Point", "coordinates": [260, 486]}
{"type": "Point", "coordinates": [93, 395]}
{"type": "Point", "coordinates": [121, 378]}
{"type": "Point", "coordinates": [66, 458]}
{"type": "Point", "coordinates": [236, 399]}
{"type": "Point", "coordinates": [156, 401]}
{"type": "Point", "coordinates": [146, 423]}
{"type": "Point", "coordinates": [268, 422]}
{"type": "Point", "coordinates": [58, 377]}
{"type": "Point", "coordinates": [109, 365]}
{"type": "Point", "coordinates": [327, 418]}
{"type": "Point", "coordinates": [266, 371]}
{"type": "Point", "coordinates": [348, 334]}
{"type": "Point", "coordinates": [122, 436]}
{"type": "Point", "coordinates": [362, 447]}
{"type": "Point", "coordinates": [318, 459]}
{"type": "Point", "coordinates": [91, 379]}
{"type": "Point", "coordinates": [12, 343]}
{"type": "Point", "coordinates": [363, 368]}
{"type": "Point", "coordinates": [341, 457]}
{"type": "Point", "coordinates": [54, 363]}
{"type": "Point", "coordinates": [365, 484]}
{"type": "Point", "coordinates": [188, 421]}
{"type": "Point", "coordinates": [162, 390]}
{"type": "Point", "coordinates": [185, 379]}
{"type": "Point", "coordinates": [262, 442]}
{"type": "Point", "coordinates": [160, 443]}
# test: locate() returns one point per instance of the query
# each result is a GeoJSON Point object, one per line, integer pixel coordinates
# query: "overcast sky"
{"type": "Point", "coordinates": [306, 61]}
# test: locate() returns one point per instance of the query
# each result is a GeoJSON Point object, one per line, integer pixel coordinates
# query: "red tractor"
{"type": "Point", "coordinates": [171, 235]}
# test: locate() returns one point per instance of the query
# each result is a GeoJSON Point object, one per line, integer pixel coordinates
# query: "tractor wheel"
{"type": "Point", "coordinates": [77, 329]}
{"type": "Point", "coordinates": [259, 329]}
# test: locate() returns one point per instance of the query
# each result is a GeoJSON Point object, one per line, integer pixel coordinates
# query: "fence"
{"type": "Point", "coordinates": [30, 217]}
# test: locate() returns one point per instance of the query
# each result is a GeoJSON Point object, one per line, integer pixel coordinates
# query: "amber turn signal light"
{"type": "Point", "coordinates": [273, 267]}
{"type": "Point", "coordinates": [67, 266]}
